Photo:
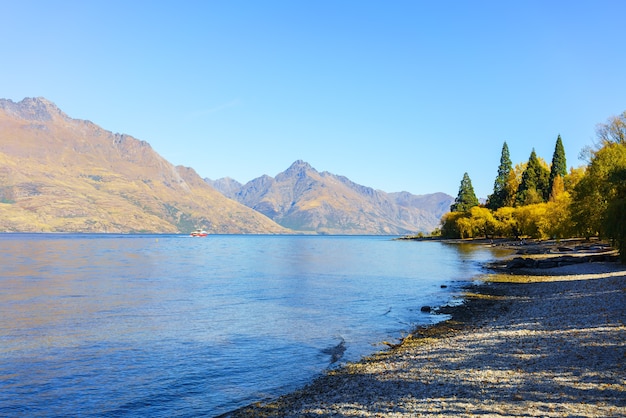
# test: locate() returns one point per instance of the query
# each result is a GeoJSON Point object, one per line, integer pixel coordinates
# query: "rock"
{"type": "Point", "coordinates": [336, 352]}
{"type": "Point", "coordinates": [558, 261]}
{"type": "Point", "coordinates": [426, 309]}
{"type": "Point", "coordinates": [547, 264]}
{"type": "Point", "coordinates": [520, 262]}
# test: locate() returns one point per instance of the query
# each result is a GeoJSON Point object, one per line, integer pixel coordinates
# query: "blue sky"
{"type": "Point", "coordinates": [395, 95]}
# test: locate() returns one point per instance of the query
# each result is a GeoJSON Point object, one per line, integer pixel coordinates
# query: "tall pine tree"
{"type": "Point", "coordinates": [559, 165]}
{"type": "Point", "coordinates": [501, 191]}
{"type": "Point", "coordinates": [466, 198]}
{"type": "Point", "coordinates": [534, 185]}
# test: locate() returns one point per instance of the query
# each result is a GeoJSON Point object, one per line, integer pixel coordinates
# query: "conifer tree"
{"type": "Point", "coordinates": [534, 185]}
{"type": "Point", "coordinates": [466, 198]}
{"type": "Point", "coordinates": [501, 191]}
{"type": "Point", "coordinates": [559, 165]}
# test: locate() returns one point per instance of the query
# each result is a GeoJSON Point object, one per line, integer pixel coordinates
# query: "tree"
{"type": "Point", "coordinates": [466, 199]}
{"type": "Point", "coordinates": [573, 178]}
{"type": "Point", "coordinates": [502, 190]}
{"type": "Point", "coordinates": [558, 188]}
{"type": "Point", "coordinates": [483, 222]}
{"type": "Point", "coordinates": [534, 185]}
{"type": "Point", "coordinates": [597, 195]}
{"type": "Point", "coordinates": [587, 206]}
{"type": "Point", "coordinates": [558, 220]}
{"type": "Point", "coordinates": [506, 225]}
{"type": "Point", "coordinates": [615, 219]}
{"type": "Point", "coordinates": [530, 220]}
{"type": "Point", "coordinates": [559, 164]}
{"type": "Point", "coordinates": [614, 131]}
{"type": "Point", "coordinates": [475, 222]}
{"type": "Point", "coordinates": [450, 224]}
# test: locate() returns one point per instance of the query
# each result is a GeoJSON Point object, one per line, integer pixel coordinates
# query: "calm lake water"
{"type": "Point", "coordinates": [118, 325]}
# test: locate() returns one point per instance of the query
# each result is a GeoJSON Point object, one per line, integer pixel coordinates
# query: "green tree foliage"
{"type": "Point", "coordinates": [559, 164]}
{"type": "Point", "coordinates": [503, 190]}
{"type": "Point", "coordinates": [613, 135]}
{"type": "Point", "coordinates": [599, 206]}
{"type": "Point", "coordinates": [534, 185]}
{"type": "Point", "coordinates": [551, 203]}
{"type": "Point", "coordinates": [466, 199]}
{"type": "Point", "coordinates": [450, 224]}
{"type": "Point", "coordinates": [573, 178]}
{"type": "Point", "coordinates": [597, 196]}
{"type": "Point", "coordinates": [615, 219]}
{"type": "Point", "coordinates": [587, 207]}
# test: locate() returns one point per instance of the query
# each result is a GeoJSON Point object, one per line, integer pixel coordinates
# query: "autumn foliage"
{"type": "Point", "coordinates": [534, 200]}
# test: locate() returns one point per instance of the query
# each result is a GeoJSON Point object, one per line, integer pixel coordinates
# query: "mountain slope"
{"type": "Point", "coordinates": [63, 174]}
{"type": "Point", "coordinates": [303, 199]}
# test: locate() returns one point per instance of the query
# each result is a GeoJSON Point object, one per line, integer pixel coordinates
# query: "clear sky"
{"type": "Point", "coordinates": [395, 95]}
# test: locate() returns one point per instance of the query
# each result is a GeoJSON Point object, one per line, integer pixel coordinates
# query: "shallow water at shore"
{"type": "Point", "coordinates": [174, 326]}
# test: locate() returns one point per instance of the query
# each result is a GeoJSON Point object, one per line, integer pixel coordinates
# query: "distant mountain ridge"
{"type": "Point", "coordinates": [303, 199]}
{"type": "Point", "coordinates": [59, 174]}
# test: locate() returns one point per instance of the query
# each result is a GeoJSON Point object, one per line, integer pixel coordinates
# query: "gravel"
{"type": "Point", "coordinates": [549, 343]}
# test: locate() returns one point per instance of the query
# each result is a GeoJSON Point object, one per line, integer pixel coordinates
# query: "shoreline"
{"type": "Point", "coordinates": [525, 341]}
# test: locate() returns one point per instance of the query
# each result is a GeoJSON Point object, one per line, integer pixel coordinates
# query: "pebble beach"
{"type": "Point", "coordinates": [530, 342]}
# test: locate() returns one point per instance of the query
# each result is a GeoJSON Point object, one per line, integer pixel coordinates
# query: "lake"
{"type": "Point", "coordinates": [168, 325]}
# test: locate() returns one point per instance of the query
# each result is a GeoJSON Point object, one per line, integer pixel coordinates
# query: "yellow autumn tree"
{"type": "Point", "coordinates": [482, 222]}
{"type": "Point", "coordinates": [529, 220]}
{"type": "Point", "coordinates": [506, 224]}
{"type": "Point", "coordinates": [449, 224]}
{"type": "Point", "coordinates": [557, 220]}
{"type": "Point", "coordinates": [558, 188]}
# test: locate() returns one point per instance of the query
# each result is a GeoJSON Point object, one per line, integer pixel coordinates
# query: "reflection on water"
{"type": "Point", "coordinates": [54, 288]}
{"type": "Point", "coordinates": [168, 325]}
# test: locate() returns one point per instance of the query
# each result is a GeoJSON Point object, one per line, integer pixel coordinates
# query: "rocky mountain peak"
{"type": "Point", "coordinates": [32, 108]}
{"type": "Point", "coordinates": [226, 185]}
{"type": "Point", "coordinates": [299, 169]}
{"type": "Point", "coordinates": [303, 199]}
{"type": "Point", "coordinates": [299, 166]}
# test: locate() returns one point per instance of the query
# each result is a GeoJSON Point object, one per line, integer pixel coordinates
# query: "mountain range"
{"type": "Point", "coordinates": [59, 174]}
{"type": "Point", "coordinates": [303, 199]}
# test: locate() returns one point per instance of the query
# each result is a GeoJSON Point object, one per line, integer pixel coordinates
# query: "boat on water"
{"type": "Point", "coordinates": [199, 233]}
